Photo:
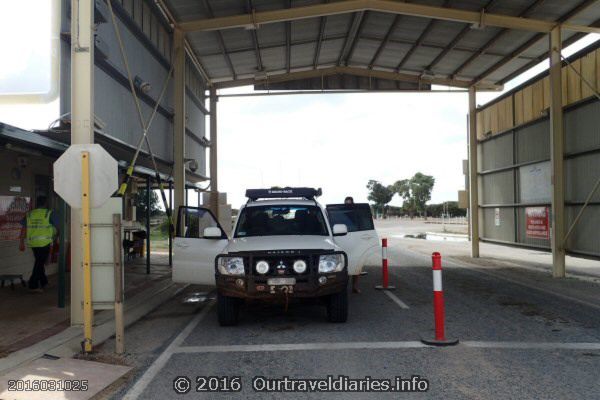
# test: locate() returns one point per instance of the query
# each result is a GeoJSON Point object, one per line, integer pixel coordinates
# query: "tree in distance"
{"type": "Point", "coordinates": [380, 195]}
{"type": "Point", "coordinates": [141, 206]}
{"type": "Point", "coordinates": [416, 192]}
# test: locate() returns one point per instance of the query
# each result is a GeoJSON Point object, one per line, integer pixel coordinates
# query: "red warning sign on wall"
{"type": "Point", "coordinates": [12, 211]}
{"type": "Point", "coordinates": [537, 222]}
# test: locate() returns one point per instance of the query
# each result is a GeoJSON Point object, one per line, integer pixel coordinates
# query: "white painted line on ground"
{"type": "Point", "coordinates": [452, 262]}
{"type": "Point", "coordinates": [396, 300]}
{"type": "Point", "coordinates": [533, 345]}
{"type": "Point", "coordinates": [381, 345]}
{"type": "Point", "coordinates": [300, 347]}
{"type": "Point", "coordinates": [160, 362]}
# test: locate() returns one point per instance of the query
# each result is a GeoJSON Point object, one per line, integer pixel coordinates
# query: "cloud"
{"type": "Point", "coordinates": [339, 142]}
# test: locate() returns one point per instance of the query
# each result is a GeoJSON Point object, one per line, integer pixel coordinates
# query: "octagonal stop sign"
{"type": "Point", "coordinates": [104, 175]}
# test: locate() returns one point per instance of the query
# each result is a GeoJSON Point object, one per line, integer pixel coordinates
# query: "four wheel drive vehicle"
{"type": "Point", "coordinates": [284, 245]}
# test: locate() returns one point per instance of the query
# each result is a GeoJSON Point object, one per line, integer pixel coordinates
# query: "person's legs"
{"type": "Point", "coordinates": [43, 277]}
{"type": "Point", "coordinates": [355, 288]}
{"type": "Point", "coordinates": [38, 276]}
{"type": "Point", "coordinates": [34, 280]}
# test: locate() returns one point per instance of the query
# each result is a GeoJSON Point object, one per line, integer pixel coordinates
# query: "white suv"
{"type": "Point", "coordinates": [284, 245]}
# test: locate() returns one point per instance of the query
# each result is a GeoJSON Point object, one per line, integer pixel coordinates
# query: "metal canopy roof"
{"type": "Point", "coordinates": [450, 42]}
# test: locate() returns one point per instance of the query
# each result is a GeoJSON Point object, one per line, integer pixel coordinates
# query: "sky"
{"type": "Point", "coordinates": [340, 141]}
{"type": "Point", "coordinates": [334, 141]}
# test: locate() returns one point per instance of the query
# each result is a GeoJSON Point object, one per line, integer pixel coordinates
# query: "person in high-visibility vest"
{"type": "Point", "coordinates": [39, 229]}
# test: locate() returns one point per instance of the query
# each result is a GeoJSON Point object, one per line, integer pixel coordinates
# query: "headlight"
{"type": "Point", "coordinates": [299, 266]}
{"type": "Point", "coordinates": [231, 265]}
{"type": "Point", "coordinates": [262, 267]}
{"type": "Point", "coordinates": [331, 263]}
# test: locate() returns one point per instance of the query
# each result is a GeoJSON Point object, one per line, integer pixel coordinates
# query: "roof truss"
{"type": "Point", "coordinates": [386, 6]}
{"type": "Point", "coordinates": [581, 6]}
{"type": "Point", "coordinates": [362, 72]}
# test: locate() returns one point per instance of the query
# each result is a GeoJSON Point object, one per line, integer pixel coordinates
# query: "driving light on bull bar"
{"type": "Point", "coordinates": [299, 266]}
{"type": "Point", "coordinates": [262, 267]}
{"type": "Point", "coordinates": [231, 265]}
{"type": "Point", "coordinates": [331, 263]}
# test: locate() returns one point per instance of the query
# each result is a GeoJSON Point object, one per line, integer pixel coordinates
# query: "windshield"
{"type": "Point", "coordinates": [281, 220]}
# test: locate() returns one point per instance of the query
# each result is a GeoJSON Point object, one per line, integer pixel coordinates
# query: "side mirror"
{"type": "Point", "coordinates": [212, 233]}
{"type": "Point", "coordinates": [340, 230]}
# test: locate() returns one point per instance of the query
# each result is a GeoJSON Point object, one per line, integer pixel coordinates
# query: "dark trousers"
{"type": "Point", "coordinates": [38, 275]}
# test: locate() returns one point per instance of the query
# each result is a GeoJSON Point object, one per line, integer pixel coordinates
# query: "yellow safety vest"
{"type": "Point", "coordinates": [40, 231]}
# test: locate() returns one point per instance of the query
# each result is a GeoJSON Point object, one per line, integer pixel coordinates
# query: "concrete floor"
{"type": "Point", "coordinates": [491, 254]}
{"type": "Point", "coordinates": [27, 318]}
{"type": "Point", "coordinates": [523, 335]}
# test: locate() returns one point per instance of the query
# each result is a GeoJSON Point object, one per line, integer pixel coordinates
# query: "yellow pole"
{"type": "Point", "coordinates": [87, 272]}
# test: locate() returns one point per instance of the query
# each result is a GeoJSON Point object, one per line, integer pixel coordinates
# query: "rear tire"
{"type": "Point", "coordinates": [337, 307]}
{"type": "Point", "coordinates": [228, 310]}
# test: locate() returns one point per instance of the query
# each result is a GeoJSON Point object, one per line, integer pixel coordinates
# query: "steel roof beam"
{"type": "Point", "coordinates": [259, 64]}
{"type": "Point", "coordinates": [288, 46]}
{"type": "Point", "coordinates": [322, 26]}
{"type": "Point", "coordinates": [456, 40]}
{"type": "Point", "coordinates": [427, 45]}
{"type": "Point", "coordinates": [387, 6]}
{"type": "Point", "coordinates": [494, 40]}
{"type": "Point", "coordinates": [536, 38]}
{"type": "Point", "coordinates": [188, 49]}
{"type": "Point", "coordinates": [360, 72]}
{"type": "Point", "coordinates": [221, 41]}
{"type": "Point", "coordinates": [385, 40]}
{"type": "Point", "coordinates": [536, 60]}
{"type": "Point", "coordinates": [288, 41]}
{"type": "Point", "coordinates": [356, 38]}
{"type": "Point", "coordinates": [417, 44]}
{"type": "Point", "coordinates": [351, 38]}
{"type": "Point", "coordinates": [420, 40]}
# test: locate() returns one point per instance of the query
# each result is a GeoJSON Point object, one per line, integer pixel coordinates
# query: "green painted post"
{"type": "Point", "coordinates": [62, 255]}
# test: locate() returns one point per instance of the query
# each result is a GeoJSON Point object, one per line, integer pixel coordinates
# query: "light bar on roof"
{"type": "Point", "coordinates": [279, 193]}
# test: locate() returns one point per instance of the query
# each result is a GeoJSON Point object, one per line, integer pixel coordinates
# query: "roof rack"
{"type": "Point", "coordinates": [283, 193]}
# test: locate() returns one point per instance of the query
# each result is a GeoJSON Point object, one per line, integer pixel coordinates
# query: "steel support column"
{"type": "Point", "coordinates": [148, 199]}
{"type": "Point", "coordinates": [82, 129]}
{"type": "Point", "coordinates": [170, 232]}
{"type": "Point", "coordinates": [473, 177]}
{"type": "Point", "coordinates": [557, 139]}
{"type": "Point", "coordinates": [214, 176]}
{"type": "Point", "coordinates": [179, 122]}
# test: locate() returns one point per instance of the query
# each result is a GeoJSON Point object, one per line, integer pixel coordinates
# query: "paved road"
{"type": "Point", "coordinates": [518, 339]}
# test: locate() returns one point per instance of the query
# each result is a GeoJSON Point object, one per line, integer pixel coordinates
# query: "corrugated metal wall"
{"type": "Point", "coordinates": [148, 46]}
{"type": "Point", "coordinates": [515, 174]}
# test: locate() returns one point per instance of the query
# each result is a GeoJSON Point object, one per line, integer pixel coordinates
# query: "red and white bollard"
{"type": "Point", "coordinates": [384, 268]}
{"type": "Point", "coordinates": [438, 306]}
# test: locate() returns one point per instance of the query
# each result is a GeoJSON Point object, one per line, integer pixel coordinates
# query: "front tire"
{"type": "Point", "coordinates": [337, 307]}
{"type": "Point", "coordinates": [228, 310]}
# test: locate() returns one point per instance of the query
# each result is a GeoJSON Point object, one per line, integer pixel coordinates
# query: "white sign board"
{"type": "Point", "coordinates": [534, 183]}
{"type": "Point", "coordinates": [104, 175]}
{"type": "Point", "coordinates": [497, 216]}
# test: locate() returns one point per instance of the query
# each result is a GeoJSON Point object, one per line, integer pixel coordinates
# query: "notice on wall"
{"type": "Point", "coordinates": [12, 212]}
{"type": "Point", "coordinates": [534, 183]}
{"type": "Point", "coordinates": [497, 216]}
{"type": "Point", "coordinates": [537, 222]}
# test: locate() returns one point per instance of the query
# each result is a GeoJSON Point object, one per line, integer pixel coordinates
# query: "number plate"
{"type": "Point", "coordinates": [281, 281]}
